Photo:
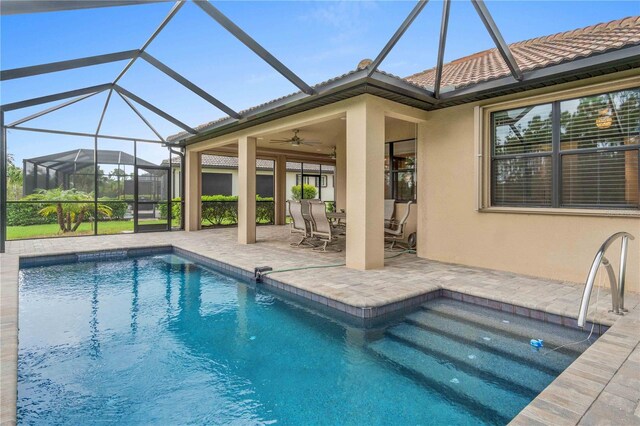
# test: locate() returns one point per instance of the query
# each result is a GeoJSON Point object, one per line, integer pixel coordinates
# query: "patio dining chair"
{"type": "Point", "coordinates": [322, 228]}
{"type": "Point", "coordinates": [299, 225]}
{"type": "Point", "coordinates": [306, 209]}
{"type": "Point", "coordinates": [389, 209]}
{"type": "Point", "coordinates": [396, 232]}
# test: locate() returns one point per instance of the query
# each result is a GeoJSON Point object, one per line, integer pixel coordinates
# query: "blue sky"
{"type": "Point", "coordinates": [317, 40]}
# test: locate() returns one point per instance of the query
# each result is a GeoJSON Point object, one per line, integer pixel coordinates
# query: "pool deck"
{"type": "Point", "coordinates": [601, 387]}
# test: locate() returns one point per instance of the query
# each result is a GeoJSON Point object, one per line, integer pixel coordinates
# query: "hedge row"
{"type": "Point", "coordinates": [216, 210]}
{"type": "Point", "coordinates": [28, 213]}
{"type": "Point", "coordinates": [223, 209]}
{"type": "Point", "coordinates": [24, 214]}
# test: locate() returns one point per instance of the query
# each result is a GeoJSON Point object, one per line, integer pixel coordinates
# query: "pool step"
{"type": "Point", "coordinates": [485, 399]}
{"type": "Point", "coordinates": [506, 345]}
{"type": "Point", "coordinates": [510, 324]}
{"type": "Point", "coordinates": [489, 366]}
{"type": "Point", "coordinates": [478, 357]}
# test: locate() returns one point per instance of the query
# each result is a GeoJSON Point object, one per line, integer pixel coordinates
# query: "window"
{"type": "Point", "coordinates": [312, 180]}
{"type": "Point", "coordinates": [399, 170]}
{"type": "Point", "coordinates": [578, 153]}
{"type": "Point", "coordinates": [317, 175]}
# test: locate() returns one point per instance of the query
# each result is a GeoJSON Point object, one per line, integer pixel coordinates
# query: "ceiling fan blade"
{"type": "Point", "coordinates": [280, 140]}
{"type": "Point", "coordinates": [311, 142]}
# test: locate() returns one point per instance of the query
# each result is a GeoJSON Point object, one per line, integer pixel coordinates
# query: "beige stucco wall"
{"type": "Point", "coordinates": [453, 229]}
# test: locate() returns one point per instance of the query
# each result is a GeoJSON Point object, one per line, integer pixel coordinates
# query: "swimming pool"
{"type": "Point", "coordinates": [163, 340]}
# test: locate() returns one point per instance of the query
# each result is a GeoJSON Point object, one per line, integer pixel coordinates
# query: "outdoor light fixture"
{"type": "Point", "coordinates": [604, 119]}
{"type": "Point", "coordinates": [333, 153]}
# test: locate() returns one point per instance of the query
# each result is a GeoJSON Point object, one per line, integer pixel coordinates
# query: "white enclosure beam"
{"type": "Point", "coordinates": [246, 39]}
{"type": "Point", "coordinates": [396, 36]}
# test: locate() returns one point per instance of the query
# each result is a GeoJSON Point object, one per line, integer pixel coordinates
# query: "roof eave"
{"type": "Point", "coordinates": [394, 88]}
{"type": "Point", "coordinates": [348, 86]}
{"type": "Point", "coordinates": [598, 64]}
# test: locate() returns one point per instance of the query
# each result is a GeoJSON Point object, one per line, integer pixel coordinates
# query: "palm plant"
{"type": "Point", "coordinates": [71, 207]}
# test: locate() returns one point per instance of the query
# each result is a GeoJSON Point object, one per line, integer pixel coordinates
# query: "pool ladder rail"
{"type": "Point", "coordinates": [617, 286]}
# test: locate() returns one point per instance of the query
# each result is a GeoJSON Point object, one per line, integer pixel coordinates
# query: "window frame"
{"type": "Point", "coordinates": [484, 144]}
{"type": "Point", "coordinates": [322, 179]}
{"type": "Point", "coordinates": [393, 173]}
{"type": "Point", "coordinates": [540, 154]}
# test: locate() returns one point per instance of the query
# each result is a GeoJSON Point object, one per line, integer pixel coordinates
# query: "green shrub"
{"type": "Point", "coordinates": [176, 209]}
{"type": "Point", "coordinates": [310, 192]}
{"type": "Point", "coordinates": [25, 214]}
{"type": "Point", "coordinates": [220, 209]}
{"type": "Point", "coordinates": [223, 209]}
{"type": "Point", "coordinates": [265, 210]}
{"type": "Point", "coordinates": [118, 207]}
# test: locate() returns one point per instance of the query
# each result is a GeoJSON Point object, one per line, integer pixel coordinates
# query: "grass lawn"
{"type": "Point", "coordinates": [53, 230]}
{"type": "Point", "coordinates": [104, 228]}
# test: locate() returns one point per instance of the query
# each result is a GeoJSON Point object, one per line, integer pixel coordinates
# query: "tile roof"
{"type": "Point", "coordinates": [487, 65]}
{"type": "Point", "coordinates": [535, 53]}
{"type": "Point", "coordinates": [243, 112]}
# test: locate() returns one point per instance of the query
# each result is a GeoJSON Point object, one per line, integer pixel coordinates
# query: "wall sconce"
{"type": "Point", "coordinates": [333, 153]}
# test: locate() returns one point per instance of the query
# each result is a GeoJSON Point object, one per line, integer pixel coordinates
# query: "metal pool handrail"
{"type": "Point", "coordinates": [617, 287]}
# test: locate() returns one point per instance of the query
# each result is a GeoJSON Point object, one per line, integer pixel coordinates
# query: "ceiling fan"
{"type": "Point", "coordinates": [295, 140]}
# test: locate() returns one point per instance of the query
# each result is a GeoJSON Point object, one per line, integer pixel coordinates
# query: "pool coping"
{"type": "Point", "coordinates": [532, 414]}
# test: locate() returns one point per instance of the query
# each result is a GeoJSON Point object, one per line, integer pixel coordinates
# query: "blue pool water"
{"type": "Point", "coordinates": [157, 340]}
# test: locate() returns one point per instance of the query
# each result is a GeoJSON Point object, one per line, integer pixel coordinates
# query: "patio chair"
{"type": "Point", "coordinates": [306, 209]}
{"type": "Point", "coordinates": [396, 232]}
{"type": "Point", "coordinates": [299, 225]}
{"type": "Point", "coordinates": [389, 209]}
{"type": "Point", "coordinates": [322, 228]}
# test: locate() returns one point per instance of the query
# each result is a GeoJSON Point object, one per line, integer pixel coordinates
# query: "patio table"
{"type": "Point", "coordinates": [337, 215]}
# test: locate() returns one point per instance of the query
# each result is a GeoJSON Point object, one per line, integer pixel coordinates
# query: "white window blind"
{"type": "Point", "coordinates": [579, 153]}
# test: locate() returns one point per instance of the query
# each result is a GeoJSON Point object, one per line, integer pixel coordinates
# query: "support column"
{"type": "Point", "coordinates": [421, 189]}
{"type": "Point", "coordinates": [365, 185]}
{"type": "Point", "coordinates": [340, 178]}
{"type": "Point", "coordinates": [246, 190]}
{"type": "Point", "coordinates": [280, 189]}
{"type": "Point", "coordinates": [192, 191]}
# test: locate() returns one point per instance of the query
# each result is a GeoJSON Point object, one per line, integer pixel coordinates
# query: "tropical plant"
{"type": "Point", "coordinates": [70, 207]}
{"type": "Point", "coordinates": [309, 191]}
{"type": "Point", "coordinates": [14, 179]}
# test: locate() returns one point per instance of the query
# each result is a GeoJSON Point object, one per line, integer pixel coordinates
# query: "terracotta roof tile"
{"type": "Point", "coordinates": [487, 65]}
{"type": "Point", "coordinates": [535, 53]}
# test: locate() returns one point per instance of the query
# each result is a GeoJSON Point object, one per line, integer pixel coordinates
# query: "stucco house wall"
{"type": "Point", "coordinates": [558, 244]}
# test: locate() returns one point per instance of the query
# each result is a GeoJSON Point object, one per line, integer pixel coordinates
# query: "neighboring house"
{"type": "Point", "coordinates": [220, 176]}
{"type": "Point", "coordinates": [526, 172]}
